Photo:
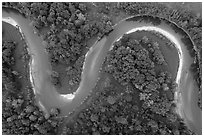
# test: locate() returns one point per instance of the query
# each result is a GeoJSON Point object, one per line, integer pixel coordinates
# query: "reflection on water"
{"type": "Point", "coordinates": [48, 97]}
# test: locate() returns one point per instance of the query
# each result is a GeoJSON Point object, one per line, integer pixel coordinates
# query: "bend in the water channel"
{"type": "Point", "coordinates": [40, 67]}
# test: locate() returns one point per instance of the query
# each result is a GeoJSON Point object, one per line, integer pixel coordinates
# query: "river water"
{"type": "Point", "coordinates": [47, 97]}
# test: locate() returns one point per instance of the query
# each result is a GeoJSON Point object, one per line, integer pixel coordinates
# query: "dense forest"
{"type": "Point", "coordinates": [119, 107]}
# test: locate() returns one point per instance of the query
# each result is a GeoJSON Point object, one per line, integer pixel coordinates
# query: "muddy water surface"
{"type": "Point", "coordinates": [48, 97]}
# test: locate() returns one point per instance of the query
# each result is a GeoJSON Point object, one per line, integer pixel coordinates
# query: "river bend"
{"type": "Point", "coordinates": [47, 96]}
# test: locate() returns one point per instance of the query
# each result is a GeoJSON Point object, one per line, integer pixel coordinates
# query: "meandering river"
{"type": "Point", "coordinates": [47, 96]}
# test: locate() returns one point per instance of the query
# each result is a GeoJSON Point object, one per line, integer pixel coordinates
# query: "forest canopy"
{"type": "Point", "coordinates": [132, 96]}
